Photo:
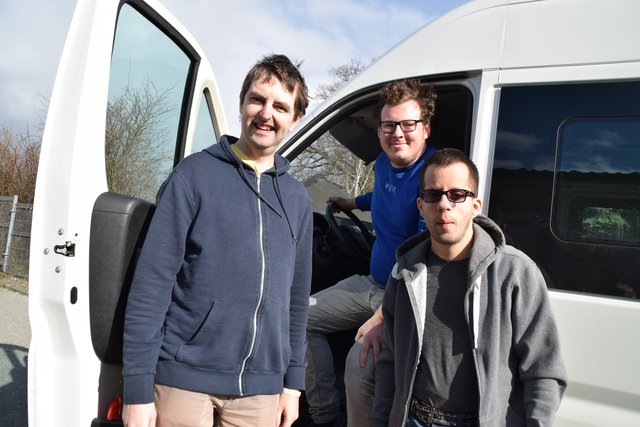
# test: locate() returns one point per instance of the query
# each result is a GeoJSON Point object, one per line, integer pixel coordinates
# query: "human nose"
{"type": "Point", "coordinates": [266, 111]}
{"type": "Point", "coordinates": [444, 203]}
{"type": "Point", "coordinates": [397, 130]}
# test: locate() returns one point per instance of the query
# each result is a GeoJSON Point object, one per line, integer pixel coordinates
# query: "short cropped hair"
{"type": "Point", "coordinates": [447, 157]}
{"type": "Point", "coordinates": [396, 93]}
{"type": "Point", "coordinates": [287, 73]}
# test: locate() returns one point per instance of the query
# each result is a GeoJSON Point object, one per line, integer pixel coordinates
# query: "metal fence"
{"type": "Point", "coordinates": [15, 235]}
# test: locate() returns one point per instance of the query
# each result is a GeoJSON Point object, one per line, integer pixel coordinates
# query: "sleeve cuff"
{"type": "Point", "coordinates": [138, 389]}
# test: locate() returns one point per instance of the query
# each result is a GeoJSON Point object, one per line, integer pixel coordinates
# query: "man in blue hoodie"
{"type": "Point", "coordinates": [216, 316]}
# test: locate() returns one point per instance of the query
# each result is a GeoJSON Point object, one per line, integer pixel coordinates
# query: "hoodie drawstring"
{"type": "Point", "coordinates": [279, 195]}
{"type": "Point", "coordinates": [256, 191]}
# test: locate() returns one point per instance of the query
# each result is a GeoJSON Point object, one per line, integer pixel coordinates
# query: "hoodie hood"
{"type": "Point", "coordinates": [488, 241]}
{"type": "Point", "coordinates": [223, 152]}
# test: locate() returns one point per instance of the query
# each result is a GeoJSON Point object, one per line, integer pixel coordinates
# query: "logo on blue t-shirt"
{"type": "Point", "coordinates": [390, 188]}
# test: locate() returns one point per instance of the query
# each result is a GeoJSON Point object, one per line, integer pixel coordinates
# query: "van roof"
{"type": "Point", "coordinates": [509, 34]}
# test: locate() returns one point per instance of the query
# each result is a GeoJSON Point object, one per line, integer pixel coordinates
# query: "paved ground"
{"type": "Point", "coordinates": [14, 343]}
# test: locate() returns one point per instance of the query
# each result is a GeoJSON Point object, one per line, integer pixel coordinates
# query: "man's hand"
{"type": "Point", "coordinates": [287, 410]}
{"type": "Point", "coordinates": [342, 204]}
{"type": "Point", "coordinates": [373, 333]}
{"type": "Point", "coordinates": [143, 415]}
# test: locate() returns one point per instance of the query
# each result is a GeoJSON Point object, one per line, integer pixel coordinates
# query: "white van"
{"type": "Point", "coordinates": [544, 95]}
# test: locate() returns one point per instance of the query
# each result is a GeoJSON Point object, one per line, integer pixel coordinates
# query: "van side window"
{"type": "Point", "coordinates": [205, 133]}
{"type": "Point", "coordinates": [148, 78]}
{"type": "Point", "coordinates": [596, 193]}
{"type": "Point", "coordinates": [566, 183]}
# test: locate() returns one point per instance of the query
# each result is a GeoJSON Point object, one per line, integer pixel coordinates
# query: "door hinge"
{"type": "Point", "coordinates": [68, 249]}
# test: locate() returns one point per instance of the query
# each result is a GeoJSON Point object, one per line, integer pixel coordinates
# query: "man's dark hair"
{"type": "Point", "coordinates": [287, 73]}
{"type": "Point", "coordinates": [447, 157]}
{"type": "Point", "coordinates": [396, 93]}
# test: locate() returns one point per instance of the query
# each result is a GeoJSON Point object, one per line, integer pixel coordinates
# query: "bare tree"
{"type": "Point", "coordinates": [342, 74]}
{"type": "Point", "coordinates": [326, 158]}
{"type": "Point", "coordinates": [137, 152]}
{"type": "Point", "coordinates": [19, 164]}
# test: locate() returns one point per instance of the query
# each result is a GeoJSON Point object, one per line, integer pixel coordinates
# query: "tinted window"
{"type": "Point", "coordinates": [566, 182]}
{"type": "Point", "coordinates": [146, 88]}
{"type": "Point", "coordinates": [596, 194]}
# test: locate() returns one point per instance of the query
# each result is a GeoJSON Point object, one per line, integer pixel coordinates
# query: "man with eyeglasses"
{"type": "Point", "coordinates": [470, 338]}
{"type": "Point", "coordinates": [406, 108]}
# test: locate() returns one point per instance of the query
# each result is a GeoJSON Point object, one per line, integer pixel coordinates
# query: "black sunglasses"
{"type": "Point", "coordinates": [455, 195]}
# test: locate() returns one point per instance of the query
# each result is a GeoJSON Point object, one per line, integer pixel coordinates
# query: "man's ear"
{"type": "Point", "coordinates": [477, 206]}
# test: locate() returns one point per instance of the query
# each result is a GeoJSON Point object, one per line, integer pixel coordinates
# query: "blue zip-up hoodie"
{"type": "Point", "coordinates": [220, 295]}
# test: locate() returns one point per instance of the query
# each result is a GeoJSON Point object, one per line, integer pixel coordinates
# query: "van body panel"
{"type": "Point", "coordinates": [557, 33]}
{"type": "Point", "coordinates": [575, 73]}
{"type": "Point", "coordinates": [600, 393]}
{"type": "Point", "coordinates": [483, 133]}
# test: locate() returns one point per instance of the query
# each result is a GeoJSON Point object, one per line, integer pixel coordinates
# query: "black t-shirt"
{"type": "Point", "coordinates": [446, 377]}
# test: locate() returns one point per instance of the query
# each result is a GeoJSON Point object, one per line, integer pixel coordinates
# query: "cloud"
{"type": "Point", "coordinates": [322, 34]}
{"type": "Point", "coordinates": [33, 34]}
{"type": "Point", "coordinates": [233, 35]}
{"type": "Point", "coordinates": [605, 139]}
{"type": "Point", "coordinates": [519, 141]}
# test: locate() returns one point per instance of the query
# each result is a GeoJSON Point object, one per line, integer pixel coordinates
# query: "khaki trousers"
{"type": "Point", "coordinates": [182, 408]}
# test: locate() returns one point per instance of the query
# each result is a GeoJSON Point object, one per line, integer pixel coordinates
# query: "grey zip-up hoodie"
{"type": "Point", "coordinates": [220, 295]}
{"type": "Point", "coordinates": [520, 372]}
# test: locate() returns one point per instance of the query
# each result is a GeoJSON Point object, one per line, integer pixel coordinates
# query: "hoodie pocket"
{"type": "Point", "coordinates": [273, 348]}
{"type": "Point", "coordinates": [221, 341]}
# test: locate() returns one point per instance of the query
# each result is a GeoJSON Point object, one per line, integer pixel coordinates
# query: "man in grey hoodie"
{"type": "Point", "coordinates": [471, 339]}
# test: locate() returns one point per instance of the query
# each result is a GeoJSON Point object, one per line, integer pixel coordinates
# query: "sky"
{"type": "Point", "coordinates": [233, 34]}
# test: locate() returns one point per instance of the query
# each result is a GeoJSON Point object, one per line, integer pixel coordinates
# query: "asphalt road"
{"type": "Point", "coordinates": [14, 344]}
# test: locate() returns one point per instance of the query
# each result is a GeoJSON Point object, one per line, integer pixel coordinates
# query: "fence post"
{"type": "Point", "coordinates": [12, 220]}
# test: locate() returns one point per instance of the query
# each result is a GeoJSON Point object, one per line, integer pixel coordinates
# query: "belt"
{"type": "Point", "coordinates": [429, 414]}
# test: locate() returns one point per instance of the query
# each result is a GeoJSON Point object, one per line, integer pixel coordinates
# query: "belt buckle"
{"type": "Point", "coordinates": [425, 413]}
{"type": "Point", "coordinates": [428, 414]}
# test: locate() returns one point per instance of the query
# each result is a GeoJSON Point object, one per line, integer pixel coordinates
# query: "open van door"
{"type": "Point", "coordinates": [134, 94]}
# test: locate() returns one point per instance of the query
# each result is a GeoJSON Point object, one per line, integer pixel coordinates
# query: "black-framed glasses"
{"type": "Point", "coordinates": [455, 195]}
{"type": "Point", "coordinates": [405, 125]}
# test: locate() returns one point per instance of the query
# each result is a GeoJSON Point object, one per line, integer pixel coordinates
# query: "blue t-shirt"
{"type": "Point", "coordinates": [394, 211]}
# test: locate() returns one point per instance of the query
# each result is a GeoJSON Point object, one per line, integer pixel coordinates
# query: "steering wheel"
{"type": "Point", "coordinates": [347, 239]}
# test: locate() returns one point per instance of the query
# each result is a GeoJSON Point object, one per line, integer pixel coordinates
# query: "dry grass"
{"type": "Point", "coordinates": [18, 284]}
